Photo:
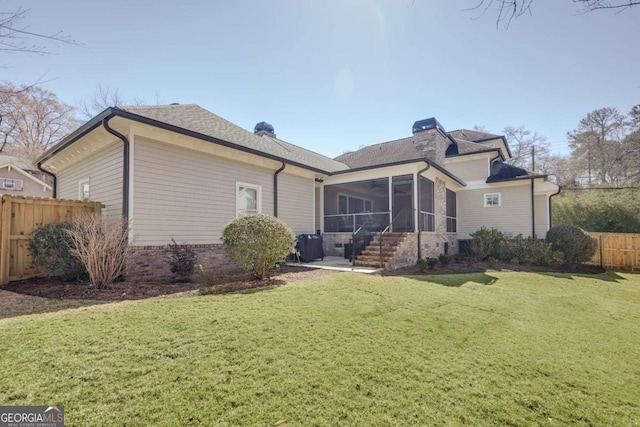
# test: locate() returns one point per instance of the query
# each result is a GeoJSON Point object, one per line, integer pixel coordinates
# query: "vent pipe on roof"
{"type": "Point", "coordinates": [264, 128]}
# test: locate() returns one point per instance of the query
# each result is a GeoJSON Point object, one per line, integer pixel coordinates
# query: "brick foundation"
{"type": "Point", "coordinates": [148, 263]}
{"type": "Point", "coordinates": [432, 244]}
{"type": "Point", "coordinates": [333, 243]}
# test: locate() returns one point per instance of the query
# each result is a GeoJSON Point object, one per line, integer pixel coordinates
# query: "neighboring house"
{"type": "Point", "coordinates": [182, 172]}
{"type": "Point", "coordinates": [18, 178]}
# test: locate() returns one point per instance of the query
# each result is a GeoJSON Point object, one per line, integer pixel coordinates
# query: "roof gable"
{"type": "Point", "coordinates": [194, 118]}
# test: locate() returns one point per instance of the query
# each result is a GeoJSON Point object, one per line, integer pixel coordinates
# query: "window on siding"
{"type": "Point", "coordinates": [248, 199]}
{"type": "Point", "coordinates": [11, 184]}
{"type": "Point", "coordinates": [427, 205]}
{"type": "Point", "coordinates": [84, 190]}
{"type": "Point", "coordinates": [492, 200]}
{"type": "Point", "coordinates": [452, 219]}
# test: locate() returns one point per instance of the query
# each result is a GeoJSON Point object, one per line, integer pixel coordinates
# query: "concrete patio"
{"type": "Point", "coordinates": [334, 263]}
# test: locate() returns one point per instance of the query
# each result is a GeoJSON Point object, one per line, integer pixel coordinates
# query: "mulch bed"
{"type": "Point", "coordinates": [51, 288]}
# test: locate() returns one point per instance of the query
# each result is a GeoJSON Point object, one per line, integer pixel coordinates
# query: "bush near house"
{"type": "Point", "coordinates": [257, 243]}
{"type": "Point", "coordinates": [530, 251]}
{"type": "Point", "coordinates": [576, 245]}
{"type": "Point", "coordinates": [486, 243]}
{"type": "Point", "coordinates": [492, 246]}
{"type": "Point", "coordinates": [51, 248]}
{"type": "Point", "coordinates": [182, 259]}
{"type": "Point", "coordinates": [427, 264]}
{"type": "Point", "coordinates": [100, 243]}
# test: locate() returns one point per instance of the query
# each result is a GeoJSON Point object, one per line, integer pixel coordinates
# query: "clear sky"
{"type": "Point", "coordinates": [332, 75]}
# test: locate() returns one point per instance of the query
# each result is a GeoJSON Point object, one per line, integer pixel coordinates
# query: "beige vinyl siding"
{"type": "Point", "coordinates": [470, 170]}
{"type": "Point", "coordinates": [295, 202]}
{"type": "Point", "coordinates": [512, 217]}
{"type": "Point", "coordinates": [542, 216]}
{"type": "Point", "coordinates": [187, 195]}
{"type": "Point", "coordinates": [104, 170]}
{"type": "Point", "coordinates": [29, 186]}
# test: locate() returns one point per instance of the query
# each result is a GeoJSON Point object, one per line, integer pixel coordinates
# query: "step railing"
{"type": "Point", "coordinates": [354, 239]}
{"type": "Point", "coordinates": [393, 239]}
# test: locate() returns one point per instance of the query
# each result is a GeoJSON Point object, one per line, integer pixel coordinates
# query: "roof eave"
{"type": "Point", "coordinates": [517, 178]}
{"type": "Point", "coordinates": [114, 111]}
{"type": "Point", "coordinates": [75, 135]}
{"type": "Point", "coordinates": [504, 140]}
{"type": "Point", "coordinates": [489, 150]}
{"type": "Point", "coordinates": [404, 162]}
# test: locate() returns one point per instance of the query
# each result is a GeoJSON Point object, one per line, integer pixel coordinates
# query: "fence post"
{"type": "Point", "coordinates": [601, 252]}
{"type": "Point", "coordinates": [5, 239]}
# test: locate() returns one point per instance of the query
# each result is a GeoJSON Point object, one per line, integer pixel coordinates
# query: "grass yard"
{"type": "Point", "coordinates": [495, 348]}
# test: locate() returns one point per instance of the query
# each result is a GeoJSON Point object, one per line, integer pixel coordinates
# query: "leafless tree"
{"type": "Point", "coordinates": [102, 98]}
{"type": "Point", "coordinates": [510, 9]}
{"type": "Point", "coordinates": [529, 150]}
{"type": "Point", "coordinates": [32, 120]}
{"type": "Point", "coordinates": [15, 37]}
{"type": "Point", "coordinates": [562, 170]}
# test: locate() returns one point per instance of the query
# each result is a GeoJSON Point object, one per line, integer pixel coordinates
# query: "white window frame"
{"type": "Point", "coordinates": [81, 185]}
{"type": "Point", "coordinates": [364, 204]}
{"type": "Point", "coordinates": [491, 196]}
{"type": "Point", "coordinates": [13, 184]}
{"type": "Point", "coordinates": [258, 189]}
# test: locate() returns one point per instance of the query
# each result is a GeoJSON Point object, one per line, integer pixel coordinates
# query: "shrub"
{"type": "Point", "coordinates": [50, 247]}
{"type": "Point", "coordinates": [182, 259]}
{"type": "Point", "coordinates": [257, 243]}
{"type": "Point", "coordinates": [532, 251]}
{"type": "Point", "coordinates": [427, 263]}
{"type": "Point", "coordinates": [205, 277]}
{"type": "Point", "coordinates": [445, 259]}
{"type": "Point", "coordinates": [576, 245]}
{"type": "Point", "coordinates": [100, 244]}
{"type": "Point", "coordinates": [486, 242]}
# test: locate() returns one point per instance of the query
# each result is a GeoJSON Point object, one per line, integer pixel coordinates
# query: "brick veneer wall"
{"type": "Point", "coordinates": [333, 243]}
{"type": "Point", "coordinates": [148, 263]}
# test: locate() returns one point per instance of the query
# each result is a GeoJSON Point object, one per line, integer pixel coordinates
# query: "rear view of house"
{"type": "Point", "coordinates": [182, 172]}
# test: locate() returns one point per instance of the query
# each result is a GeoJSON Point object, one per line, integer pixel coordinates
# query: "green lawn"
{"type": "Point", "coordinates": [495, 348]}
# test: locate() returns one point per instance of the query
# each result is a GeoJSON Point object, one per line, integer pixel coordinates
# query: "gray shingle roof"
{"type": "Point", "coordinates": [385, 152]}
{"type": "Point", "coordinates": [472, 135]}
{"type": "Point", "coordinates": [194, 118]}
{"type": "Point", "coordinates": [20, 162]}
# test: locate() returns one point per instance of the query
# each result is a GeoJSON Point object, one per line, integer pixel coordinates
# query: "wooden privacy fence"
{"type": "Point", "coordinates": [617, 250]}
{"type": "Point", "coordinates": [19, 217]}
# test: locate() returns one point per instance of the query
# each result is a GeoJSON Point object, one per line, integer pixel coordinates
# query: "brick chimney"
{"type": "Point", "coordinates": [431, 138]}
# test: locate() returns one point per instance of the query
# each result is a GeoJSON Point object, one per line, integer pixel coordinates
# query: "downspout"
{"type": "Point", "coordinates": [275, 189]}
{"type": "Point", "coordinates": [533, 211]}
{"type": "Point", "coordinates": [53, 176]}
{"type": "Point", "coordinates": [125, 166]}
{"type": "Point", "coordinates": [551, 205]}
{"type": "Point", "coordinates": [420, 172]}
